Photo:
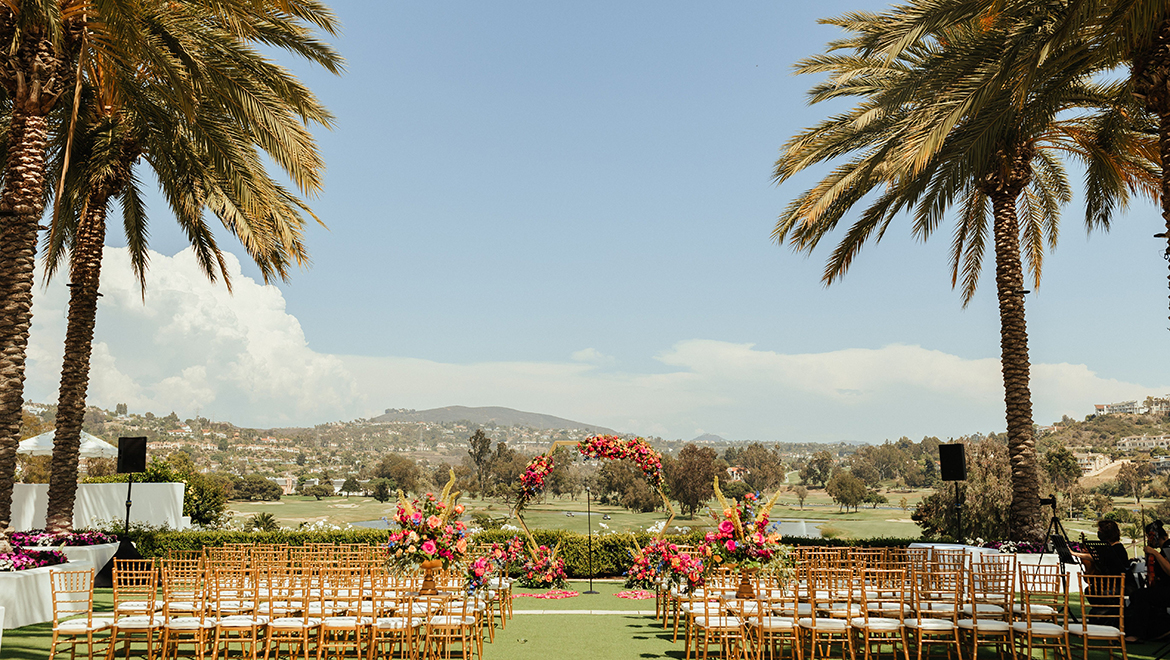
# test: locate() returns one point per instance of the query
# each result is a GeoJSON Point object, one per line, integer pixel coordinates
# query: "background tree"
{"type": "Point", "coordinates": [691, 478]}
{"type": "Point", "coordinates": [1062, 468]}
{"type": "Point", "coordinates": [318, 491]}
{"type": "Point", "coordinates": [400, 470]}
{"type": "Point", "coordinates": [262, 522]}
{"type": "Point", "coordinates": [381, 489]}
{"type": "Point", "coordinates": [351, 486]}
{"type": "Point", "coordinates": [986, 496]}
{"type": "Point", "coordinates": [818, 469]}
{"type": "Point", "coordinates": [764, 466]}
{"type": "Point", "coordinates": [846, 489]}
{"type": "Point", "coordinates": [480, 453]}
{"type": "Point", "coordinates": [951, 119]}
{"type": "Point", "coordinates": [622, 483]}
{"type": "Point", "coordinates": [801, 494]}
{"type": "Point", "coordinates": [1133, 477]}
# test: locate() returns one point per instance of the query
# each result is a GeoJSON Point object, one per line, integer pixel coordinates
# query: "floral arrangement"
{"type": "Point", "coordinates": [427, 531]}
{"type": "Point", "coordinates": [507, 555]}
{"type": "Point", "coordinates": [636, 450]}
{"type": "Point", "coordinates": [478, 573]}
{"type": "Point", "coordinates": [662, 560]}
{"type": "Point", "coordinates": [535, 473]}
{"type": "Point", "coordinates": [1021, 547]}
{"type": "Point", "coordinates": [22, 559]}
{"type": "Point", "coordinates": [544, 569]}
{"type": "Point", "coordinates": [741, 537]}
{"type": "Point", "coordinates": [39, 538]}
{"type": "Point", "coordinates": [635, 595]}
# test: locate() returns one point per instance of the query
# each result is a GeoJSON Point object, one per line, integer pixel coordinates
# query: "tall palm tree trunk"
{"type": "Point", "coordinates": [21, 205]}
{"type": "Point", "coordinates": [1003, 190]}
{"type": "Point", "coordinates": [85, 273]}
{"type": "Point", "coordinates": [1151, 85]}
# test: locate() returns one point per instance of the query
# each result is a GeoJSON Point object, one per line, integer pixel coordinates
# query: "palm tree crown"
{"type": "Point", "coordinates": [955, 121]}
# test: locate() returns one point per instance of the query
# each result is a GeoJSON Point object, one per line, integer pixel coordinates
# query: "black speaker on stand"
{"type": "Point", "coordinates": [952, 461]}
{"type": "Point", "coordinates": [131, 459]}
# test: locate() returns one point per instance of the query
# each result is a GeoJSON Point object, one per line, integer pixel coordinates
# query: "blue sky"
{"type": "Point", "coordinates": [567, 209]}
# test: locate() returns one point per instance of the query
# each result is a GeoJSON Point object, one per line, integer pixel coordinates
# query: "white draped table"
{"type": "Point", "coordinates": [27, 596]}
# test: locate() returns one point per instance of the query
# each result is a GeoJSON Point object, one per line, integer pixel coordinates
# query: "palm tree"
{"type": "Point", "coordinates": [955, 120]}
{"type": "Point", "coordinates": [205, 161]}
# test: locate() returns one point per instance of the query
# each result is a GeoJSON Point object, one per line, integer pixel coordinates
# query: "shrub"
{"type": "Point", "coordinates": [611, 552]}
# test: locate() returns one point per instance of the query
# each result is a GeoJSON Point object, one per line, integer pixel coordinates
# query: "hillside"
{"type": "Point", "coordinates": [487, 416]}
{"type": "Point", "coordinates": [1103, 431]}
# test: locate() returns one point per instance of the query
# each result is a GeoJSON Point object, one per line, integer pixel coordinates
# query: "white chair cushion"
{"type": "Point", "coordinates": [1037, 610]}
{"type": "Point", "coordinates": [717, 622]}
{"type": "Point", "coordinates": [823, 624]}
{"type": "Point", "coordinates": [876, 624]}
{"type": "Point", "coordinates": [294, 623]}
{"type": "Point", "coordinates": [143, 622]}
{"type": "Point", "coordinates": [346, 621]}
{"type": "Point", "coordinates": [1039, 629]}
{"type": "Point", "coordinates": [1097, 632]}
{"type": "Point", "coordinates": [135, 606]}
{"type": "Point", "coordinates": [772, 623]}
{"type": "Point", "coordinates": [242, 621]}
{"type": "Point", "coordinates": [396, 623]}
{"type": "Point", "coordinates": [452, 621]}
{"type": "Point", "coordinates": [931, 625]}
{"type": "Point", "coordinates": [189, 623]}
{"type": "Point", "coordinates": [81, 626]}
{"type": "Point", "coordinates": [983, 608]}
{"type": "Point", "coordinates": [984, 625]}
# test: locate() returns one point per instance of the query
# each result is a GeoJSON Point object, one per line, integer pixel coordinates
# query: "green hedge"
{"type": "Point", "coordinates": [611, 552]}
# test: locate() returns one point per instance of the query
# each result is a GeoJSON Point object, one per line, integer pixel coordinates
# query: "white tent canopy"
{"type": "Point", "coordinates": [91, 446]}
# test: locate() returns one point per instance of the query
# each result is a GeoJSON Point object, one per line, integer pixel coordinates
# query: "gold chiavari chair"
{"type": "Point", "coordinates": [830, 593]}
{"type": "Point", "coordinates": [346, 627]}
{"type": "Point", "coordinates": [296, 629]}
{"type": "Point", "coordinates": [988, 610]}
{"type": "Point", "coordinates": [238, 622]}
{"type": "Point", "coordinates": [395, 629]}
{"type": "Point", "coordinates": [185, 614]}
{"type": "Point", "coordinates": [136, 608]}
{"type": "Point", "coordinates": [771, 624]}
{"type": "Point", "coordinates": [1102, 614]}
{"type": "Point", "coordinates": [937, 596]}
{"type": "Point", "coordinates": [883, 609]}
{"type": "Point", "coordinates": [1044, 620]}
{"type": "Point", "coordinates": [73, 597]}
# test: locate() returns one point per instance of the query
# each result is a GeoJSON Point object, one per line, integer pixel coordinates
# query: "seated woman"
{"type": "Point", "coordinates": [1115, 559]}
{"type": "Point", "coordinates": [1146, 617]}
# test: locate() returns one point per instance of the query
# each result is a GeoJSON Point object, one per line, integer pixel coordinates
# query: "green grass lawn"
{"type": "Point", "coordinates": [533, 636]}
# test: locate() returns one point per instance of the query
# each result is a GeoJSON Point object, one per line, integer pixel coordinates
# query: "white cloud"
{"type": "Point", "coordinates": [193, 346]}
{"type": "Point", "coordinates": [243, 358]}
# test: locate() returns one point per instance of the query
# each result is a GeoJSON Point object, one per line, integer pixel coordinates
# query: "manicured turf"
{"type": "Point", "coordinates": [531, 635]}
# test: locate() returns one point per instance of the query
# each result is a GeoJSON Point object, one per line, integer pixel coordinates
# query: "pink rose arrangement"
{"type": "Point", "coordinates": [635, 450]}
{"type": "Point", "coordinates": [741, 536]}
{"type": "Point", "coordinates": [544, 570]}
{"type": "Point", "coordinates": [508, 554]}
{"type": "Point", "coordinates": [429, 529]}
{"type": "Point", "coordinates": [663, 560]}
{"type": "Point", "coordinates": [478, 572]}
{"type": "Point", "coordinates": [535, 474]}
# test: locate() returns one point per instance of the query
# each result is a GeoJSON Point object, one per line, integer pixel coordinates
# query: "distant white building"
{"type": "Point", "coordinates": [1147, 442]}
{"type": "Point", "coordinates": [1090, 462]}
{"type": "Point", "coordinates": [1125, 407]}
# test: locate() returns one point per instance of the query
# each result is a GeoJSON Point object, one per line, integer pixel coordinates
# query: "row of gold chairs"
{"type": "Point", "coordinates": [877, 601]}
{"type": "Point", "coordinates": [248, 601]}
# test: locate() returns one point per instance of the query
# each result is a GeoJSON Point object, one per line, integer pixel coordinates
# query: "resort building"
{"type": "Point", "coordinates": [1135, 442]}
{"type": "Point", "coordinates": [1090, 462]}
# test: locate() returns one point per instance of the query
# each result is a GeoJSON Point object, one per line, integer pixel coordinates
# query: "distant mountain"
{"type": "Point", "coordinates": [709, 438]}
{"type": "Point", "coordinates": [488, 415]}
